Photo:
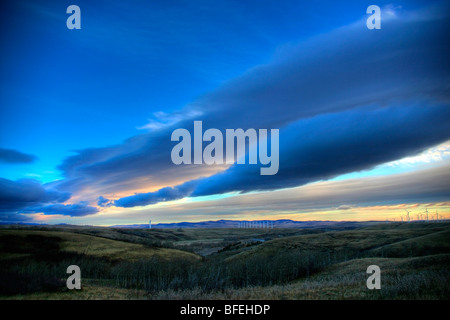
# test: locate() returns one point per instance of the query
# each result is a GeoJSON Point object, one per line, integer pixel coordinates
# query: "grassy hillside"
{"type": "Point", "coordinates": [421, 278]}
{"type": "Point", "coordinates": [36, 260]}
{"type": "Point", "coordinates": [367, 241]}
{"type": "Point", "coordinates": [24, 243]}
{"type": "Point", "coordinates": [434, 243]}
{"type": "Point", "coordinates": [240, 264]}
{"type": "Point", "coordinates": [194, 240]}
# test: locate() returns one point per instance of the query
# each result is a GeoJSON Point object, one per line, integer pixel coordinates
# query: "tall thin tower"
{"type": "Point", "coordinates": [407, 215]}
{"type": "Point", "coordinates": [149, 224]}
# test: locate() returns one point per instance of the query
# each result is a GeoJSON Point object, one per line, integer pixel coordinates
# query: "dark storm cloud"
{"type": "Point", "coordinates": [427, 185]}
{"type": "Point", "coordinates": [14, 218]}
{"type": "Point", "coordinates": [143, 160]}
{"type": "Point", "coordinates": [326, 146]}
{"type": "Point", "coordinates": [347, 68]}
{"type": "Point", "coordinates": [14, 156]}
{"type": "Point", "coordinates": [20, 194]}
{"type": "Point", "coordinates": [73, 210]}
{"type": "Point", "coordinates": [164, 194]}
{"type": "Point", "coordinates": [344, 101]}
{"type": "Point", "coordinates": [103, 202]}
{"type": "Point", "coordinates": [21, 197]}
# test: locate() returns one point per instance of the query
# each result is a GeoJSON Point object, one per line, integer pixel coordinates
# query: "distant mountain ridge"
{"type": "Point", "coordinates": [252, 224]}
{"type": "Point", "coordinates": [260, 224]}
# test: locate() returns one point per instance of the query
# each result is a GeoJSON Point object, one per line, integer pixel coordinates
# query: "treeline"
{"type": "Point", "coordinates": [47, 272]}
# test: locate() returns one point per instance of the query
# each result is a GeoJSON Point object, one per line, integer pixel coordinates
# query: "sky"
{"type": "Point", "coordinates": [86, 115]}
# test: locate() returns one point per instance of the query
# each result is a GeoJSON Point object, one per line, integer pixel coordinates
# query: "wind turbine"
{"type": "Point", "coordinates": [426, 210]}
{"type": "Point", "coordinates": [407, 215]}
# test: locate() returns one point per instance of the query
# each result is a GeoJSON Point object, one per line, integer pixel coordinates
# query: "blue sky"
{"type": "Point", "coordinates": [87, 114]}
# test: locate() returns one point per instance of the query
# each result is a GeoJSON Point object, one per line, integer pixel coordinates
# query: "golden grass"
{"type": "Point", "coordinates": [101, 247]}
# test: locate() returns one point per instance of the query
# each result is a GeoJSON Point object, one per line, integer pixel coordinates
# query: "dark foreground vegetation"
{"type": "Point", "coordinates": [310, 263]}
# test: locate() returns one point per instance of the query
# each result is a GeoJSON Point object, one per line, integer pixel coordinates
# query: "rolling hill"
{"type": "Point", "coordinates": [299, 263]}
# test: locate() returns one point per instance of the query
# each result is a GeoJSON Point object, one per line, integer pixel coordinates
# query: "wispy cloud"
{"type": "Point", "coordinates": [162, 119]}
{"type": "Point", "coordinates": [435, 154]}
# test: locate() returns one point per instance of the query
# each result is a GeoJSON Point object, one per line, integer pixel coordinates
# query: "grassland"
{"type": "Point", "coordinates": [311, 263]}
